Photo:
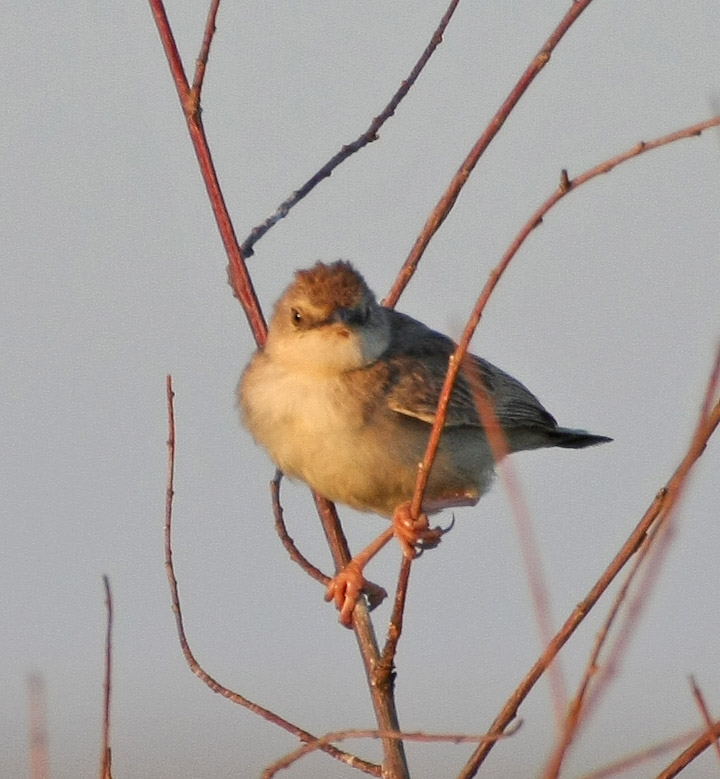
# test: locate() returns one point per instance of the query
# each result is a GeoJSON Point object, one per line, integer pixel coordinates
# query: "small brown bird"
{"type": "Point", "coordinates": [343, 397]}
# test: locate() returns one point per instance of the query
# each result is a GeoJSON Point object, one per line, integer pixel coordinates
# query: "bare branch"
{"type": "Point", "coordinates": [526, 535]}
{"type": "Point", "coordinates": [457, 359]}
{"type": "Point", "coordinates": [106, 755]}
{"type": "Point", "coordinates": [370, 135]}
{"type": "Point", "coordinates": [195, 667]}
{"type": "Point", "coordinates": [381, 694]}
{"type": "Point", "coordinates": [656, 541]}
{"type": "Point", "coordinates": [700, 700]}
{"type": "Point", "coordinates": [237, 269]}
{"type": "Point", "coordinates": [386, 664]}
{"type": "Point", "coordinates": [698, 746]}
{"type": "Point", "coordinates": [340, 735]}
{"type": "Point", "coordinates": [201, 62]}
{"type": "Point", "coordinates": [447, 201]}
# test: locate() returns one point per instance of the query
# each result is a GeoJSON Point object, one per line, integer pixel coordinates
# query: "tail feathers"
{"type": "Point", "coordinates": [575, 439]}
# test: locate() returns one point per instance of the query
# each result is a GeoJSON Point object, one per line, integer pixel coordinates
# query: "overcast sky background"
{"type": "Point", "coordinates": [113, 275]}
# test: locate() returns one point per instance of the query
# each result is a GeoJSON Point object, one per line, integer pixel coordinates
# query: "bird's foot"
{"type": "Point", "coordinates": [346, 587]}
{"type": "Point", "coordinates": [414, 534]}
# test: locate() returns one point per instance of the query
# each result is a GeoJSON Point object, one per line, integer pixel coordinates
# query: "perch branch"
{"type": "Point", "coordinates": [386, 664]}
{"type": "Point", "coordinates": [381, 694]}
{"type": "Point", "coordinates": [456, 360]}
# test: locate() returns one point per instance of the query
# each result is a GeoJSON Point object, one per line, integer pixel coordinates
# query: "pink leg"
{"type": "Point", "coordinates": [345, 587]}
{"type": "Point", "coordinates": [412, 535]}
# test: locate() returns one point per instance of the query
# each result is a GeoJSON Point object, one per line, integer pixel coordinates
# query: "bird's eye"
{"type": "Point", "coordinates": [296, 316]}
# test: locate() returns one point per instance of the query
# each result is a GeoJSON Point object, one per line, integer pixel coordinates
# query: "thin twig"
{"type": "Point", "coordinates": [575, 709]}
{"type": "Point", "coordinates": [201, 62]}
{"type": "Point", "coordinates": [374, 593]}
{"type": "Point", "coordinates": [641, 756]}
{"type": "Point", "coordinates": [237, 269]}
{"type": "Point", "coordinates": [281, 529]}
{"type": "Point", "coordinates": [701, 743]}
{"type": "Point", "coordinates": [341, 735]}
{"type": "Point", "coordinates": [106, 755]}
{"type": "Point", "coordinates": [447, 201]}
{"type": "Point", "coordinates": [370, 135]}
{"type": "Point", "coordinates": [195, 667]}
{"type": "Point", "coordinates": [700, 700]}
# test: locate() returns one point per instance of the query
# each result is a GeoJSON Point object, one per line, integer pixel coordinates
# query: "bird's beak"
{"type": "Point", "coordinates": [347, 316]}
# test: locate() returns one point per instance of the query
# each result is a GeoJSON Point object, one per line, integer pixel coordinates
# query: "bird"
{"type": "Point", "coordinates": [343, 397]}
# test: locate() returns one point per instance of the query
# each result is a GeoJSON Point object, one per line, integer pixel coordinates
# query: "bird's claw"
{"type": "Point", "coordinates": [414, 534]}
{"type": "Point", "coordinates": [345, 589]}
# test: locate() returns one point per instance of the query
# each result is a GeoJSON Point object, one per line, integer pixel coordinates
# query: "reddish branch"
{"type": "Point", "coordinates": [380, 686]}
{"type": "Point", "coordinates": [190, 102]}
{"type": "Point", "coordinates": [195, 667]}
{"type": "Point", "coordinates": [657, 510]}
{"type": "Point", "coordinates": [447, 201]}
{"type": "Point", "coordinates": [698, 746]}
{"type": "Point", "coordinates": [201, 62]}
{"type": "Point", "coordinates": [526, 534]}
{"type": "Point", "coordinates": [457, 360]}
{"type": "Point", "coordinates": [37, 728]}
{"type": "Point", "coordinates": [386, 664]}
{"type": "Point", "coordinates": [436, 218]}
{"type": "Point", "coordinates": [657, 540]}
{"type": "Point", "coordinates": [707, 719]}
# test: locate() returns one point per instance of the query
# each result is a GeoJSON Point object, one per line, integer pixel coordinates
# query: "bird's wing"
{"type": "Point", "coordinates": [418, 360]}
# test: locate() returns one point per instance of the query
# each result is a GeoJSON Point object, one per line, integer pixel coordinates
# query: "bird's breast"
{"type": "Point", "coordinates": [297, 416]}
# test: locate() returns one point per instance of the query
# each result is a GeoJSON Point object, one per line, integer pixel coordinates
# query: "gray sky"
{"type": "Point", "coordinates": [113, 275]}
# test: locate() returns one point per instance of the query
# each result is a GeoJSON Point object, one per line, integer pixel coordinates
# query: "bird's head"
{"type": "Point", "coordinates": [327, 321]}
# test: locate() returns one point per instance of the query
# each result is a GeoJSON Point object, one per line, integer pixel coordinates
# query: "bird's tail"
{"type": "Point", "coordinates": [568, 438]}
